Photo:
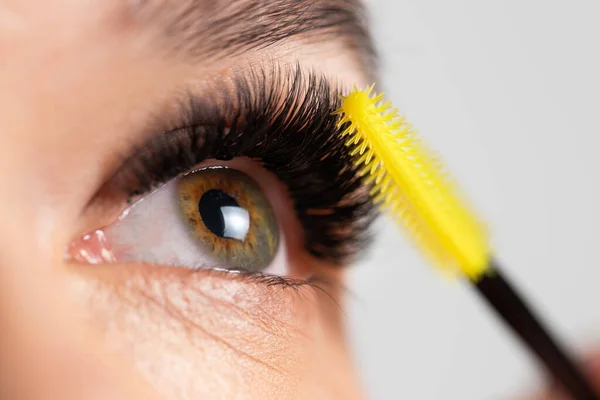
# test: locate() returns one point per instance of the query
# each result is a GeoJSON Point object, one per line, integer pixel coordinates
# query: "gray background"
{"type": "Point", "coordinates": [509, 93]}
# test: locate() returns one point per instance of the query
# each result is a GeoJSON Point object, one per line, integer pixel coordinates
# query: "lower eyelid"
{"type": "Point", "coordinates": [194, 290]}
{"type": "Point", "coordinates": [213, 316]}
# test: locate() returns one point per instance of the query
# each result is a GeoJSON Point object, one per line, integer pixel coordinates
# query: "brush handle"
{"type": "Point", "coordinates": [501, 296]}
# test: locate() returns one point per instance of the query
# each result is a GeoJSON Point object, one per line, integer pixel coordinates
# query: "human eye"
{"type": "Point", "coordinates": [251, 185]}
{"type": "Point", "coordinates": [215, 216]}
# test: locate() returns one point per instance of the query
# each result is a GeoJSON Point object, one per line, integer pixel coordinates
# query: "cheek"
{"type": "Point", "coordinates": [196, 335]}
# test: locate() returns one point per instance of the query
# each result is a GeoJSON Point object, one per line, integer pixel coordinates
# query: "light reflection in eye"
{"type": "Point", "coordinates": [211, 218]}
{"type": "Point", "coordinates": [223, 216]}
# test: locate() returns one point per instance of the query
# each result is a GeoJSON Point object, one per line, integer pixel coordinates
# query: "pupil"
{"type": "Point", "coordinates": [223, 216]}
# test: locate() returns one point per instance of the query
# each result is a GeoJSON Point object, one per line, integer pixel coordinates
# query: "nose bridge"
{"type": "Point", "coordinates": [43, 179]}
{"type": "Point", "coordinates": [30, 276]}
{"type": "Point", "coordinates": [28, 256]}
{"type": "Point", "coordinates": [47, 175]}
{"type": "Point", "coordinates": [27, 216]}
{"type": "Point", "coordinates": [37, 161]}
{"type": "Point", "coordinates": [27, 307]}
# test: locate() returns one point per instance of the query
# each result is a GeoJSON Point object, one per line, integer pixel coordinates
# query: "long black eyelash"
{"type": "Point", "coordinates": [282, 118]}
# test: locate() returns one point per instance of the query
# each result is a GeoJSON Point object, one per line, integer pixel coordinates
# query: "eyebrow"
{"type": "Point", "coordinates": [212, 28]}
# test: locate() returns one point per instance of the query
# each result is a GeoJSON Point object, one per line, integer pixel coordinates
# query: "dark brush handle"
{"type": "Point", "coordinates": [501, 296]}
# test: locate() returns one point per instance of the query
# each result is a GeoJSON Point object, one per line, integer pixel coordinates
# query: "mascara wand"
{"type": "Point", "coordinates": [407, 181]}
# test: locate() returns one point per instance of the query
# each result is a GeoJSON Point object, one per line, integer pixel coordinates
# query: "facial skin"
{"type": "Point", "coordinates": [81, 81]}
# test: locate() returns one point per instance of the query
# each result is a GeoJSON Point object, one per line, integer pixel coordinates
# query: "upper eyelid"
{"type": "Point", "coordinates": [281, 112]}
{"type": "Point", "coordinates": [281, 88]}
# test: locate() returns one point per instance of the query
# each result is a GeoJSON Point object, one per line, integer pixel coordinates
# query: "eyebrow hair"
{"type": "Point", "coordinates": [212, 28]}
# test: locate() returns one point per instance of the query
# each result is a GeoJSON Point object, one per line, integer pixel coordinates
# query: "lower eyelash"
{"type": "Point", "coordinates": [319, 283]}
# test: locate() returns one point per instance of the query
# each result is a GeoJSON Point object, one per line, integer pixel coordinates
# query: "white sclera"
{"type": "Point", "coordinates": [152, 231]}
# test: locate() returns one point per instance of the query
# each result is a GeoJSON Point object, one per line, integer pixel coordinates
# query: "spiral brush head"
{"type": "Point", "coordinates": [407, 181]}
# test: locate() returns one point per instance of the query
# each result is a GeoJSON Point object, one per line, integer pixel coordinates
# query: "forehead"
{"type": "Point", "coordinates": [196, 31]}
{"type": "Point", "coordinates": [233, 26]}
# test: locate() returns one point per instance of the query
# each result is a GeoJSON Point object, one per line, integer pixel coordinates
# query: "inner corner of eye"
{"type": "Point", "coordinates": [213, 217]}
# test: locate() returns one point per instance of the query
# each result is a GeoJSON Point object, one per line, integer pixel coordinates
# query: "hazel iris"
{"type": "Point", "coordinates": [230, 217]}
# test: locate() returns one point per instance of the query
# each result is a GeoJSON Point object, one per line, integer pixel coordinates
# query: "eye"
{"type": "Point", "coordinates": [215, 217]}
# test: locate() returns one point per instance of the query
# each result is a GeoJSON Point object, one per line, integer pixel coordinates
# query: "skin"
{"type": "Point", "coordinates": [79, 80]}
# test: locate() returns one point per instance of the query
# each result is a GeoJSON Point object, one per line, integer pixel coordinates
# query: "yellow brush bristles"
{"type": "Point", "coordinates": [407, 181]}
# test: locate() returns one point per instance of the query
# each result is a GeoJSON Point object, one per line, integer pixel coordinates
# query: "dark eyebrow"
{"type": "Point", "coordinates": [214, 28]}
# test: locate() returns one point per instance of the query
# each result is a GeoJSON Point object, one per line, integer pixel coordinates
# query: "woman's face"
{"type": "Point", "coordinates": [130, 268]}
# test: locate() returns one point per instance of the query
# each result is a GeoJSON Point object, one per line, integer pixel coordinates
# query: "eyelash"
{"type": "Point", "coordinates": [290, 129]}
